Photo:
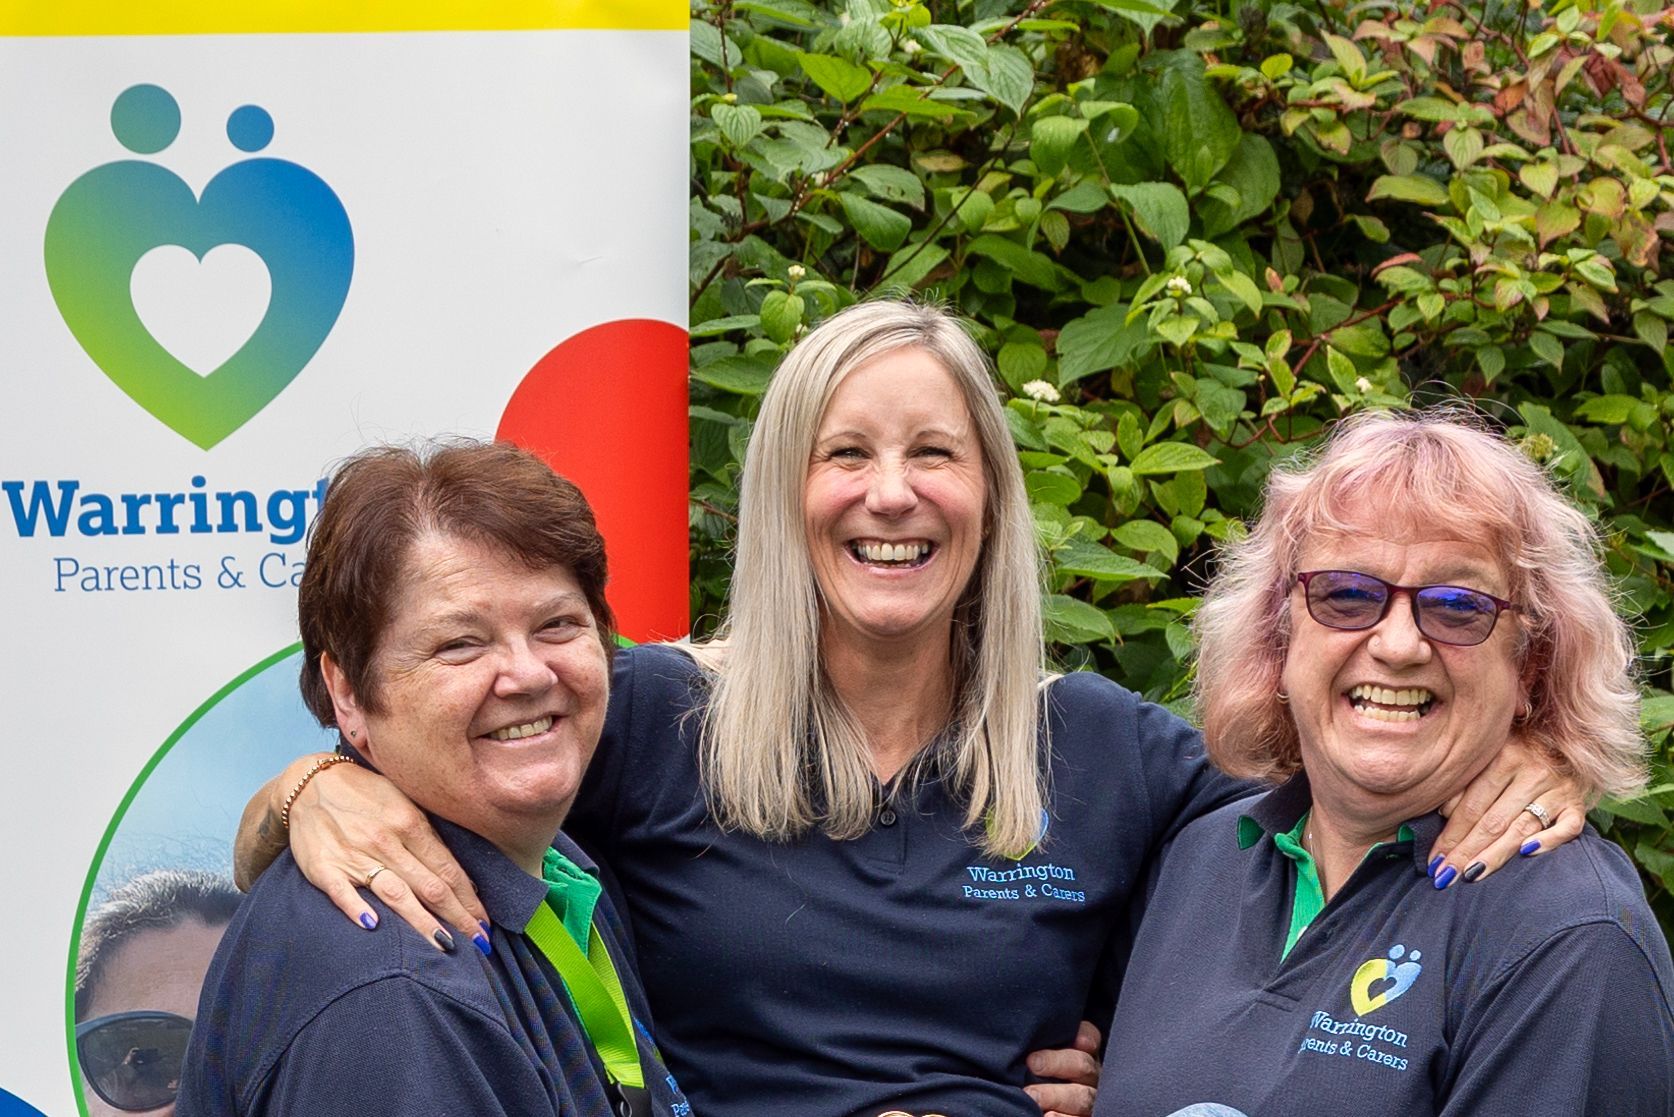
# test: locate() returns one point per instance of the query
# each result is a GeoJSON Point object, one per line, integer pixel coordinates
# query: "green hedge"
{"type": "Point", "coordinates": [1193, 233]}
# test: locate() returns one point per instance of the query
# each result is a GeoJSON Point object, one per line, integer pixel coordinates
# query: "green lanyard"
{"type": "Point", "coordinates": [596, 991]}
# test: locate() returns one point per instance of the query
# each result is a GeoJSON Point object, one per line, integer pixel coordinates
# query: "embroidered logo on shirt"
{"type": "Point", "coordinates": [1381, 980]}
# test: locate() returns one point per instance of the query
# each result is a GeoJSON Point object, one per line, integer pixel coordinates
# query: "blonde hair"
{"type": "Point", "coordinates": [1576, 652]}
{"type": "Point", "coordinates": [780, 754]}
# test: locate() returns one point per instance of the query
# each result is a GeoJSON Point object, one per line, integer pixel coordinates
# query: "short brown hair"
{"type": "Point", "coordinates": [384, 499]}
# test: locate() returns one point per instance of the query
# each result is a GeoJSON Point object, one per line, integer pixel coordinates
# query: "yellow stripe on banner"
{"type": "Point", "coordinates": [270, 17]}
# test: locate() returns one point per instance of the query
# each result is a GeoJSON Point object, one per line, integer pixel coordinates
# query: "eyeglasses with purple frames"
{"type": "Point", "coordinates": [1351, 600]}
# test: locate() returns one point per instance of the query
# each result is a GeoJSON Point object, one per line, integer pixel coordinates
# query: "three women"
{"type": "Point", "coordinates": [871, 853]}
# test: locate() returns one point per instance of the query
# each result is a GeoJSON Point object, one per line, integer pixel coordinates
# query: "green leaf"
{"type": "Point", "coordinates": [1610, 410]}
{"type": "Point", "coordinates": [1554, 220]}
{"type": "Point", "coordinates": [1221, 406]}
{"type": "Point", "coordinates": [1070, 620]}
{"type": "Point", "coordinates": [1148, 536]}
{"type": "Point", "coordinates": [1160, 209]}
{"type": "Point", "coordinates": [1099, 340]}
{"type": "Point", "coordinates": [1541, 178]}
{"type": "Point", "coordinates": [1652, 330]}
{"type": "Point", "coordinates": [1348, 57]}
{"type": "Point", "coordinates": [1409, 188]}
{"type": "Point", "coordinates": [1006, 75]}
{"type": "Point", "coordinates": [713, 47]}
{"type": "Point", "coordinates": [957, 44]}
{"type": "Point", "coordinates": [1171, 457]}
{"type": "Point", "coordinates": [912, 101]}
{"type": "Point", "coordinates": [1051, 487]}
{"type": "Point", "coordinates": [1547, 348]}
{"type": "Point", "coordinates": [840, 79]}
{"type": "Point", "coordinates": [781, 315]}
{"type": "Point", "coordinates": [911, 264]}
{"type": "Point", "coordinates": [1491, 359]}
{"type": "Point", "coordinates": [1342, 371]}
{"type": "Point", "coordinates": [1253, 171]}
{"type": "Point", "coordinates": [1031, 267]}
{"type": "Point", "coordinates": [1199, 133]}
{"type": "Point", "coordinates": [1050, 140]}
{"type": "Point", "coordinates": [1086, 196]}
{"type": "Point", "coordinates": [1090, 560]}
{"type": "Point", "coordinates": [1242, 287]}
{"type": "Point", "coordinates": [744, 376]}
{"type": "Point", "coordinates": [892, 184]}
{"type": "Point", "coordinates": [738, 123]}
{"type": "Point", "coordinates": [1463, 146]}
{"type": "Point", "coordinates": [882, 227]}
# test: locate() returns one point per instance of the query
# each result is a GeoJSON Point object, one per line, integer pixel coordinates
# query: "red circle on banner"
{"type": "Point", "coordinates": [607, 409]}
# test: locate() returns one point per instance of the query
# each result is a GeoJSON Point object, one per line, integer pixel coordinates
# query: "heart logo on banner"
{"type": "Point", "coordinates": [1379, 981]}
{"type": "Point", "coordinates": [201, 312]}
{"type": "Point", "coordinates": [115, 215]}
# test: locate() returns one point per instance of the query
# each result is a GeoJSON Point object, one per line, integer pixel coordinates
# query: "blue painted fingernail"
{"type": "Point", "coordinates": [487, 928]}
{"type": "Point", "coordinates": [483, 944]}
{"type": "Point", "coordinates": [443, 939]}
{"type": "Point", "coordinates": [369, 921]}
{"type": "Point", "coordinates": [1474, 872]}
{"type": "Point", "coordinates": [1445, 877]}
{"type": "Point", "coordinates": [1435, 863]}
{"type": "Point", "coordinates": [1529, 848]}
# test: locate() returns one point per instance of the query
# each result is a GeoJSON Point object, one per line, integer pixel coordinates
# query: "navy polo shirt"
{"type": "Point", "coordinates": [1542, 992]}
{"type": "Point", "coordinates": [304, 1012]}
{"type": "Point", "coordinates": [899, 970]}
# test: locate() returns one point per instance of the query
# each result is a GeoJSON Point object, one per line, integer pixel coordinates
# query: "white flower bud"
{"type": "Point", "coordinates": [1042, 391]}
{"type": "Point", "coordinates": [1362, 385]}
{"type": "Point", "coordinates": [796, 272]}
{"type": "Point", "coordinates": [1179, 286]}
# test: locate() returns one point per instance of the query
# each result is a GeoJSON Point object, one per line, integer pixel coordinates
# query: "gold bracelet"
{"type": "Point", "coordinates": [319, 766]}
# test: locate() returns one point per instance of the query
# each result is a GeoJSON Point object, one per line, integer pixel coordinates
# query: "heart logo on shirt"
{"type": "Point", "coordinates": [1381, 980]}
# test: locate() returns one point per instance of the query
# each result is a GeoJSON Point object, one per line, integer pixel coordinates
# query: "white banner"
{"type": "Point", "coordinates": [226, 261]}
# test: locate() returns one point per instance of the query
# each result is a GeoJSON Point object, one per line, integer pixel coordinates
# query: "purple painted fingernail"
{"type": "Point", "coordinates": [483, 944]}
{"type": "Point", "coordinates": [1529, 848]}
{"type": "Point", "coordinates": [443, 939]}
{"type": "Point", "coordinates": [1435, 863]}
{"type": "Point", "coordinates": [1445, 877]}
{"type": "Point", "coordinates": [369, 921]}
{"type": "Point", "coordinates": [1474, 872]}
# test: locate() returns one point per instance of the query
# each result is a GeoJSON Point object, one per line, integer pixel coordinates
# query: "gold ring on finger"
{"type": "Point", "coordinates": [373, 875]}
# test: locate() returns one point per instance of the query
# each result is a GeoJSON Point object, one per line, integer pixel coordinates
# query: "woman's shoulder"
{"type": "Point", "coordinates": [287, 931]}
{"type": "Point", "coordinates": [661, 674]}
{"type": "Point", "coordinates": [1587, 890]}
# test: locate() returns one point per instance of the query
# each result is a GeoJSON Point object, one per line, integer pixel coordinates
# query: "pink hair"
{"type": "Point", "coordinates": [1440, 470]}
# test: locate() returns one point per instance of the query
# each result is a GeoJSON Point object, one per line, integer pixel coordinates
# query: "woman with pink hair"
{"type": "Point", "coordinates": [1408, 597]}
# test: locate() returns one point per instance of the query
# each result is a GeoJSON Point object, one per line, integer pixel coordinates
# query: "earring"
{"type": "Point", "coordinates": [1284, 699]}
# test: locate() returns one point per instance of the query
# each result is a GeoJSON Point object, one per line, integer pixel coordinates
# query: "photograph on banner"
{"type": "Point", "coordinates": [229, 260]}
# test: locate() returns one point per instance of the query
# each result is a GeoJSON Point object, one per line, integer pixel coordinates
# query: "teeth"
{"type": "Point", "coordinates": [1377, 713]}
{"type": "Point", "coordinates": [892, 552]}
{"type": "Point", "coordinates": [1383, 696]}
{"type": "Point", "coordinates": [515, 732]}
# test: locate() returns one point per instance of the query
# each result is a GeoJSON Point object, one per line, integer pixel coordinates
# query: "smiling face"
{"type": "Point", "coordinates": [492, 684]}
{"type": "Point", "coordinates": [1393, 724]}
{"type": "Point", "coordinates": [894, 501]}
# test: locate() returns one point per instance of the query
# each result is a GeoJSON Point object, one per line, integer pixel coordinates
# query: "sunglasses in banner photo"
{"type": "Point", "coordinates": [1351, 601]}
{"type": "Point", "coordinates": [132, 1060]}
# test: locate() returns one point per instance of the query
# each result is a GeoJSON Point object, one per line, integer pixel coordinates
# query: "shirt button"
{"type": "Point", "coordinates": [886, 817]}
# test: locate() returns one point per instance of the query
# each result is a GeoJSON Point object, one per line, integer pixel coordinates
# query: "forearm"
{"type": "Point", "coordinates": [261, 836]}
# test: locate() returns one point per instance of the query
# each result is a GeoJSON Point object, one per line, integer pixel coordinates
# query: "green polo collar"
{"type": "Point", "coordinates": [1308, 899]}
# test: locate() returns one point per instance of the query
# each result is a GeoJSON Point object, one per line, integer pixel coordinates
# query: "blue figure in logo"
{"type": "Point", "coordinates": [114, 214]}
